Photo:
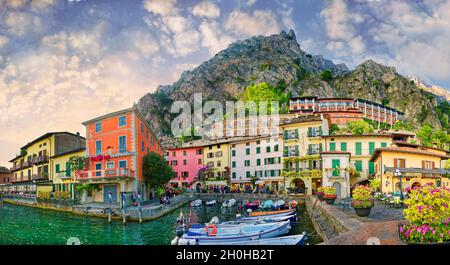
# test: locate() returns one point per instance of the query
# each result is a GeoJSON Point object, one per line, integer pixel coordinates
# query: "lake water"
{"type": "Point", "coordinates": [20, 225]}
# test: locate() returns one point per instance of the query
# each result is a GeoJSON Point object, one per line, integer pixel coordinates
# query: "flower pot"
{"type": "Point", "coordinates": [363, 212]}
{"type": "Point", "coordinates": [329, 200]}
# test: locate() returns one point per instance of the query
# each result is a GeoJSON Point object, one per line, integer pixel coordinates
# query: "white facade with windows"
{"type": "Point", "coordinates": [258, 157]}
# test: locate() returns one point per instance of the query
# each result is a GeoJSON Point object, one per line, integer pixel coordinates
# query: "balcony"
{"type": "Point", "coordinates": [62, 175]}
{"type": "Point", "coordinates": [290, 136]}
{"type": "Point", "coordinates": [105, 174]}
{"type": "Point", "coordinates": [291, 153]}
{"type": "Point", "coordinates": [40, 176]}
{"type": "Point", "coordinates": [313, 151]}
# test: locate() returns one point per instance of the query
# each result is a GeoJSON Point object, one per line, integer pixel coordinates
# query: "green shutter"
{"type": "Point", "coordinates": [268, 149]}
{"type": "Point", "coordinates": [233, 163]}
{"type": "Point", "coordinates": [57, 168]}
{"type": "Point", "coordinates": [336, 164]}
{"type": "Point", "coordinates": [344, 146]}
{"type": "Point", "coordinates": [67, 169]}
{"type": "Point", "coordinates": [285, 134]}
{"type": "Point", "coordinates": [358, 165]}
{"type": "Point", "coordinates": [258, 150]}
{"type": "Point", "coordinates": [233, 152]}
{"type": "Point", "coordinates": [309, 131]}
{"type": "Point", "coordinates": [371, 148]}
{"type": "Point", "coordinates": [258, 162]}
{"type": "Point", "coordinates": [332, 146]}
{"type": "Point", "coordinates": [383, 144]}
{"type": "Point", "coordinates": [358, 149]}
{"type": "Point", "coordinates": [371, 168]}
{"type": "Point", "coordinates": [247, 174]}
{"type": "Point", "coordinates": [275, 148]}
{"type": "Point", "coordinates": [247, 151]}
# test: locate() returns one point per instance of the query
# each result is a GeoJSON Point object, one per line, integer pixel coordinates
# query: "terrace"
{"type": "Point", "coordinates": [105, 174]}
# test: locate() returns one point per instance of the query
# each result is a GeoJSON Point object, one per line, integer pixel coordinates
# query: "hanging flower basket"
{"type": "Point", "coordinates": [100, 158]}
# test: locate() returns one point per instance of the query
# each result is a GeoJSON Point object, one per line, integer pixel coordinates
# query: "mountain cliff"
{"type": "Point", "coordinates": [279, 58]}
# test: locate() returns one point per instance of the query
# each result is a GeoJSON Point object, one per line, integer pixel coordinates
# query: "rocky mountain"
{"type": "Point", "coordinates": [437, 90]}
{"type": "Point", "coordinates": [279, 58]}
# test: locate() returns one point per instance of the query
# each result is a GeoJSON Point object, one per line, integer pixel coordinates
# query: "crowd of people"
{"type": "Point", "coordinates": [258, 189]}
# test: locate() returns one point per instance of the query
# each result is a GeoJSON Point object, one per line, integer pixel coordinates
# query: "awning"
{"type": "Point", "coordinates": [216, 183]}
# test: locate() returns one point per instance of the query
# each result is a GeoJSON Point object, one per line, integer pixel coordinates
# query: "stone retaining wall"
{"type": "Point", "coordinates": [328, 221]}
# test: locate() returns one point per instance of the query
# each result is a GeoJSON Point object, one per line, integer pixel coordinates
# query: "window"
{"type": "Point", "coordinates": [122, 144]}
{"type": "Point", "coordinates": [142, 127]}
{"type": "Point", "coordinates": [234, 175]}
{"type": "Point", "coordinates": [344, 146]}
{"type": "Point", "coordinates": [332, 146]}
{"type": "Point", "coordinates": [199, 161]}
{"type": "Point", "coordinates": [383, 144]}
{"type": "Point", "coordinates": [98, 147]}
{"type": "Point", "coordinates": [233, 164]}
{"type": "Point", "coordinates": [122, 163]}
{"type": "Point", "coordinates": [210, 155]}
{"type": "Point", "coordinates": [98, 168]}
{"type": "Point", "coordinates": [184, 152]}
{"type": "Point", "coordinates": [199, 151]}
{"type": "Point", "coordinates": [371, 148]}
{"type": "Point", "coordinates": [358, 149]}
{"type": "Point", "coordinates": [247, 151]}
{"type": "Point", "coordinates": [233, 152]}
{"type": "Point", "coordinates": [184, 162]}
{"type": "Point", "coordinates": [399, 163]}
{"type": "Point", "coordinates": [258, 162]}
{"type": "Point", "coordinates": [219, 154]}
{"type": "Point", "coordinates": [122, 121]}
{"type": "Point", "coordinates": [110, 165]}
{"type": "Point", "coordinates": [247, 174]}
{"type": "Point", "coordinates": [185, 174]}
{"type": "Point", "coordinates": [146, 133]}
{"type": "Point", "coordinates": [258, 150]}
{"type": "Point", "coordinates": [219, 163]}
{"type": "Point", "coordinates": [336, 164]}
{"type": "Point", "coordinates": [428, 164]}
{"type": "Point", "coordinates": [98, 127]}
{"type": "Point", "coordinates": [142, 146]}
{"type": "Point", "coordinates": [275, 148]}
{"type": "Point", "coordinates": [358, 165]}
{"type": "Point", "coordinates": [174, 162]}
{"type": "Point", "coordinates": [247, 163]}
{"type": "Point", "coordinates": [57, 168]}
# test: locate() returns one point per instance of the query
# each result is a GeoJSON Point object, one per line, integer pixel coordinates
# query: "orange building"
{"type": "Point", "coordinates": [116, 144]}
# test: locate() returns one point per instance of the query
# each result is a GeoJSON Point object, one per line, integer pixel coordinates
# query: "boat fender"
{"type": "Point", "coordinates": [211, 230]}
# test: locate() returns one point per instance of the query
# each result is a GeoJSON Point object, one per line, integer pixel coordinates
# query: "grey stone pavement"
{"type": "Point", "coordinates": [379, 213]}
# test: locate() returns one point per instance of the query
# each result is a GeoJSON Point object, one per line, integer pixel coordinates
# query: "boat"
{"type": "Point", "coordinates": [267, 204]}
{"type": "Point", "coordinates": [213, 234]}
{"type": "Point", "coordinates": [229, 203]}
{"type": "Point", "coordinates": [240, 221]}
{"type": "Point", "coordinates": [284, 240]}
{"type": "Point", "coordinates": [211, 203]}
{"type": "Point", "coordinates": [278, 204]}
{"type": "Point", "coordinates": [269, 214]}
{"type": "Point", "coordinates": [253, 205]}
{"type": "Point", "coordinates": [196, 203]}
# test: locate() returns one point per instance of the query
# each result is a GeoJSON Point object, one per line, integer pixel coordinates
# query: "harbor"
{"type": "Point", "coordinates": [47, 227]}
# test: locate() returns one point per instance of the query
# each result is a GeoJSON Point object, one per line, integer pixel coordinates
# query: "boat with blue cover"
{"type": "Point", "coordinates": [277, 241]}
{"type": "Point", "coordinates": [267, 205]}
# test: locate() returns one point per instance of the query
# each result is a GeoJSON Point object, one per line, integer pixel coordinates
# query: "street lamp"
{"type": "Point", "coordinates": [399, 175]}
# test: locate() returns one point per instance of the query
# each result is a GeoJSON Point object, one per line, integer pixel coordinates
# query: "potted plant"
{"type": "Point", "coordinates": [427, 216]}
{"type": "Point", "coordinates": [329, 194]}
{"type": "Point", "coordinates": [320, 193]}
{"type": "Point", "coordinates": [362, 200]}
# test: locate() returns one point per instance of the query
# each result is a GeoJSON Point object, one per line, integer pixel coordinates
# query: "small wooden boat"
{"type": "Point", "coordinates": [253, 205]}
{"type": "Point", "coordinates": [275, 241]}
{"type": "Point", "coordinates": [211, 203]}
{"type": "Point", "coordinates": [196, 203]}
{"type": "Point", "coordinates": [272, 213]}
{"type": "Point", "coordinates": [229, 203]}
{"type": "Point", "coordinates": [213, 234]}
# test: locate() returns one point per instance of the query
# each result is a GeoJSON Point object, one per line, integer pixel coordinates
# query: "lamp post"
{"type": "Point", "coordinates": [399, 174]}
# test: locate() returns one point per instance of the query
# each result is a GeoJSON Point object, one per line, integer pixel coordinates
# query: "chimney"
{"type": "Point", "coordinates": [79, 140]}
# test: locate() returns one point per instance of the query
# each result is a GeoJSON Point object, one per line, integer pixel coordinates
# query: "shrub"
{"type": "Point", "coordinates": [375, 184]}
{"type": "Point", "coordinates": [362, 197]}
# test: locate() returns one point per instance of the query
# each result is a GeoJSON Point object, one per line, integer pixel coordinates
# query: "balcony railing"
{"type": "Point", "coordinates": [40, 176]}
{"type": "Point", "coordinates": [313, 151]}
{"type": "Point", "coordinates": [290, 153]}
{"type": "Point", "coordinates": [62, 175]}
{"type": "Point", "coordinates": [39, 159]}
{"type": "Point", "coordinates": [112, 173]}
{"type": "Point", "coordinates": [290, 136]}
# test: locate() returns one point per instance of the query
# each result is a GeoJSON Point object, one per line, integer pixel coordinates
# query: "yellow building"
{"type": "Point", "coordinates": [417, 165]}
{"type": "Point", "coordinates": [302, 144]}
{"type": "Point", "coordinates": [216, 155]}
{"type": "Point", "coordinates": [361, 147]}
{"type": "Point", "coordinates": [63, 177]}
{"type": "Point", "coordinates": [32, 167]}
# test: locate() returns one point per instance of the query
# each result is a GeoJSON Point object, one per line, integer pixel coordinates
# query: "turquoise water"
{"type": "Point", "coordinates": [22, 225]}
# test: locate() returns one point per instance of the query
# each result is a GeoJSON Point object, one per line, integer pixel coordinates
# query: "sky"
{"type": "Point", "coordinates": [64, 62]}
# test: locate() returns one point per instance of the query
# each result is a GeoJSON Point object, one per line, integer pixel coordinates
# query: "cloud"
{"type": "Point", "coordinates": [19, 23]}
{"type": "Point", "coordinates": [161, 7]}
{"type": "Point", "coordinates": [14, 3]}
{"type": "Point", "coordinates": [213, 37]}
{"type": "Point", "coordinates": [3, 40]}
{"type": "Point", "coordinates": [206, 9]}
{"type": "Point", "coordinates": [251, 2]}
{"type": "Point", "coordinates": [42, 4]}
{"type": "Point", "coordinates": [340, 28]}
{"type": "Point", "coordinates": [259, 23]}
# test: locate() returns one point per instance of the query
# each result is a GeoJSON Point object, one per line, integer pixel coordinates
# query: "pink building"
{"type": "Point", "coordinates": [185, 161]}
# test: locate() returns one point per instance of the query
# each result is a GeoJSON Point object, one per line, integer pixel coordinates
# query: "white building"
{"type": "Point", "coordinates": [335, 171]}
{"type": "Point", "coordinates": [260, 157]}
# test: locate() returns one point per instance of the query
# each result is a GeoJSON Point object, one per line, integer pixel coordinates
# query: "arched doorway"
{"type": "Point", "coordinates": [298, 185]}
{"type": "Point", "coordinates": [337, 186]}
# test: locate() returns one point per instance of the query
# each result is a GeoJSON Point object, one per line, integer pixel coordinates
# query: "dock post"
{"type": "Point", "coordinates": [109, 209]}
